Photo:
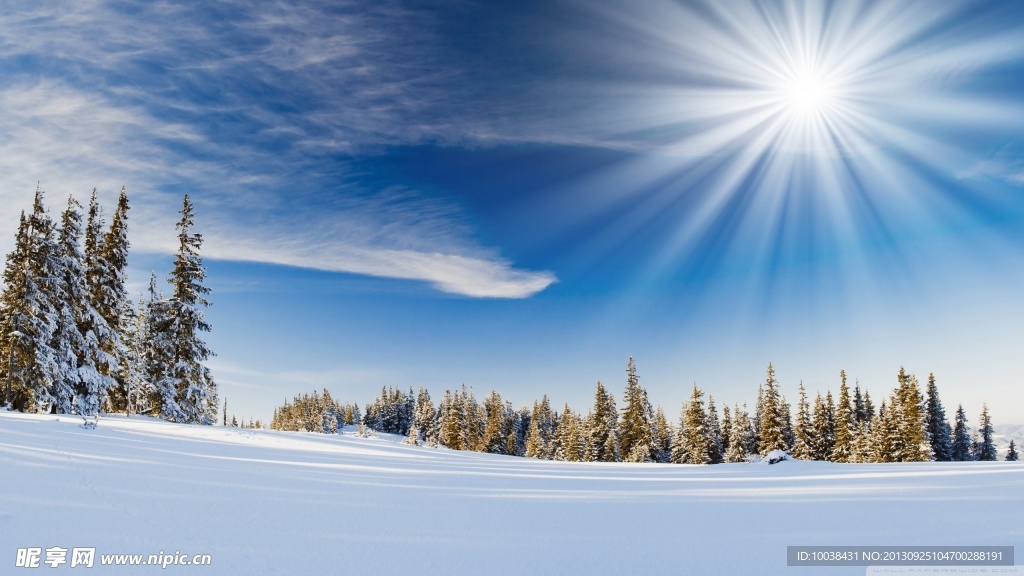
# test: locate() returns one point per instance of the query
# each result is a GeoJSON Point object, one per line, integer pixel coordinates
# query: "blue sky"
{"type": "Point", "coordinates": [521, 195]}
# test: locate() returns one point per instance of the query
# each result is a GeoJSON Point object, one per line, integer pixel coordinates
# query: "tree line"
{"type": "Point", "coordinates": [910, 425]}
{"type": "Point", "coordinates": [71, 340]}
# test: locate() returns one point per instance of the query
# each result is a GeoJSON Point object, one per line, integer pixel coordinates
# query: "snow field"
{"type": "Point", "coordinates": [264, 502]}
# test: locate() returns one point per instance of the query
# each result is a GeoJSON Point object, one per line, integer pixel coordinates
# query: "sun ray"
{"type": "Point", "coordinates": [802, 132]}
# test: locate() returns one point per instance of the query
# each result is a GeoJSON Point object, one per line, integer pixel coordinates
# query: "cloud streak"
{"type": "Point", "coordinates": [252, 109]}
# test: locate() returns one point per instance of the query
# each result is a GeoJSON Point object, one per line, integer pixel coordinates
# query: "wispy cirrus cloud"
{"type": "Point", "coordinates": [253, 109]}
{"type": "Point", "coordinates": [1007, 165]}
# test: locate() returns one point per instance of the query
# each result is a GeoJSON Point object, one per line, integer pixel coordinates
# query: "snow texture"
{"type": "Point", "coordinates": [263, 502]}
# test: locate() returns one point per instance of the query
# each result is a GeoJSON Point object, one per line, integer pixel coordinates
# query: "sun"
{"type": "Point", "coordinates": [808, 92]}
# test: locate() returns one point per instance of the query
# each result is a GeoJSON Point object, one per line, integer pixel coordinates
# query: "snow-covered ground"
{"type": "Point", "coordinates": [262, 502]}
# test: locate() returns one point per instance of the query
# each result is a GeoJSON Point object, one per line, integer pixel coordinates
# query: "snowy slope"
{"type": "Point", "coordinates": [263, 502]}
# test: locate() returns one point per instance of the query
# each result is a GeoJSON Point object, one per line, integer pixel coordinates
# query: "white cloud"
{"type": "Point", "coordinates": [1007, 164]}
{"type": "Point", "coordinates": [236, 105]}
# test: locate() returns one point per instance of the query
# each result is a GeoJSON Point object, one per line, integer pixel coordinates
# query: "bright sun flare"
{"type": "Point", "coordinates": [807, 93]}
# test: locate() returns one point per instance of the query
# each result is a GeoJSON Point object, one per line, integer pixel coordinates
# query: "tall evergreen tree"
{"type": "Point", "coordinates": [450, 433]}
{"type": "Point", "coordinates": [911, 441]}
{"type": "Point", "coordinates": [823, 427]}
{"type": "Point", "coordinates": [844, 424]}
{"type": "Point", "coordinates": [756, 420]}
{"type": "Point", "coordinates": [803, 444]}
{"type": "Point", "coordinates": [869, 408]}
{"type": "Point", "coordinates": [716, 454]}
{"type": "Point", "coordinates": [604, 442]}
{"type": "Point", "coordinates": [158, 352]}
{"type": "Point", "coordinates": [772, 432]}
{"type": "Point", "coordinates": [515, 443]}
{"type": "Point", "coordinates": [986, 446]}
{"type": "Point", "coordinates": [884, 435]}
{"type": "Point", "coordinates": [635, 439]}
{"type": "Point", "coordinates": [494, 433]}
{"type": "Point", "coordinates": [424, 418]}
{"type": "Point", "coordinates": [859, 410]}
{"type": "Point", "coordinates": [1011, 453]}
{"type": "Point", "coordinates": [786, 415]}
{"type": "Point", "coordinates": [474, 421]}
{"type": "Point", "coordinates": [540, 442]}
{"type": "Point", "coordinates": [939, 432]}
{"type": "Point", "coordinates": [693, 439]}
{"type": "Point", "coordinates": [106, 263]}
{"type": "Point", "coordinates": [14, 310]}
{"type": "Point", "coordinates": [726, 428]}
{"type": "Point", "coordinates": [663, 436]}
{"type": "Point", "coordinates": [741, 436]}
{"type": "Point", "coordinates": [80, 327]}
{"type": "Point", "coordinates": [962, 450]}
{"type": "Point", "coordinates": [40, 308]}
{"type": "Point", "coordinates": [569, 437]}
{"type": "Point", "coordinates": [195, 391]}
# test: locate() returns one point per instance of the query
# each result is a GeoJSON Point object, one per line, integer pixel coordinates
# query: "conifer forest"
{"type": "Point", "coordinates": [910, 425]}
{"type": "Point", "coordinates": [73, 342]}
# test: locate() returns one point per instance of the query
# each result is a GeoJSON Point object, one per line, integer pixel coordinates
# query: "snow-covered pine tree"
{"type": "Point", "coordinates": [869, 407]}
{"type": "Point", "coordinates": [474, 421]}
{"type": "Point", "coordinates": [740, 436]}
{"type": "Point", "coordinates": [756, 420]}
{"type": "Point", "coordinates": [635, 439]}
{"type": "Point", "coordinates": [448, 421]}
{"type": "Point", "coordinates": [534, 440]}
{"type": "Point", "coordinates": [1011, 452]}
{"type": "Point", "coordinates": [803, 443]}
{"type": "Point", "coordinates": [106, 263]}
{"type": "Point", "coordinates": [772, 432]}
{"type": "Point", "coordinates": [726, 428]}
{"type": "Point", "coordinates": [414, 437]}
{"type": "Point", "coordinates": [911, 440]}
{"type": "Point", "coordinates": [568, 437]}
{"type": "Point", "coordinates": [936, 424]}
{"type": "Point", "coordinates": [540, 442]}
{"type": "Point", "coordinates": [494, 436]}
{"type": "Point", "coordinates": [80, 327]}
{"type": "Point", "coordinates": [23, 327]}
{"type": "Point", "coordinates": [862, 448]}
{"type": "Point", "coordinates": [604, 442]}
{"type": "Point", "coordinates": [180, 322]}
{"type": "Point", "coordinates": [330, 414]}
{"type": "Point", "coordinates": [986, 447]}
{"type": "Point", "coordinates": [663, 435]}
{"type": "Point", "coordinates": [883, 433]}
{"type": "Point", "coordinates": [158, 353]}
{"type": "Point", "coordinates": [407, 411]}
{"type": "Point", "coordinates": [962, 450]}
{"type": "Point", "coordinates": [860, 415]}
{"type": "Point", "coordinates": [66, 339]}
{"type": "Point", "coordinates": [844, 424]}
{"type": "Point", "coordinates": [13, 310]}
{"type": "Point", "coordinates": [823, 426]}
{"type": "Point", "coordinates": [693, 439]}
{"type": "Point", "coordinates": [787, 422]}
{"type": "Point", "coordinates": [716, 454]}
{"type": "Point", "coordinates": [425, 418]}
{"type": "Point", "coordinates": [41, 308]}
{"type": "Point", "coordinates": [515, 444]}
